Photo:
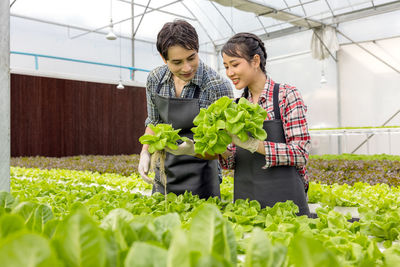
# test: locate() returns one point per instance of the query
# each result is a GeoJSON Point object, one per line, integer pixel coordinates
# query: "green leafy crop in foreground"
{"type": "Point", "coordinates": [164, 136]}
{"type": "Point", "coordinates": [225, 117]}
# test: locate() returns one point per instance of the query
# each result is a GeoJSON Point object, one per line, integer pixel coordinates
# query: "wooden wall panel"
{"type": "Point", "coordinates": [58, 117]}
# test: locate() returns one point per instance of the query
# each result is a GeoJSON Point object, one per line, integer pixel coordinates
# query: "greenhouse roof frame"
{"type": "Point", "coordinates": [329, 21]}
{"type": "Point", "coordinates": [283, 15]}
{"type": "Point", "coordinates": [286, 17]}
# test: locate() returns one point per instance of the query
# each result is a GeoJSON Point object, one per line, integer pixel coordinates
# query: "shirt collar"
{"type": "Point", "coordinates": [168, 74]}
{"type": "Point", "coordinates": [197, 79]}
{"type": "Point", "coordinates": [268, 88]}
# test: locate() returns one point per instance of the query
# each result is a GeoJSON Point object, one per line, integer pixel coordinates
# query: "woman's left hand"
{"type": "Point", "coordinates": [251, 144]}
{"type": "Point", "coordinates": [186, 148]}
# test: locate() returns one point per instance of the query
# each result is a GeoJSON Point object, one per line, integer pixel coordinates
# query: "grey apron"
{"type": "Point", "coordinates": [274, 184]}
{"type": "Point", "coordinates": [185, 173]}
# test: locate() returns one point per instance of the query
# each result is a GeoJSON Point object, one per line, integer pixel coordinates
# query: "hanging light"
{"type": "Point", "coordinates": [120, 85]}
{"type": "Point", "coordinates": [323, 78]}
{"type": "Point", "coordinates": [111, 35]}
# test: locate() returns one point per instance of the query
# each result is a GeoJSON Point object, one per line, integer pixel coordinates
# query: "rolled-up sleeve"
{"type": "Point", "coordinates": [295, 151]}
{"type": "Point", "coordinates": [228, 162]}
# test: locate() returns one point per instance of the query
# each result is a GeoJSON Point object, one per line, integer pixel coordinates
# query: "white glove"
{"type": "Point", "coordinates": [144, 166]}
{"type": "Point", "coordinates": [251, 144]}
{"type": "Point", "coordinates": [186, 148]}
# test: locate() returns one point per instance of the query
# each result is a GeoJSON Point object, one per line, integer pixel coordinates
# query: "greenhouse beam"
{"type": "Point", "coordinates": [5, 96]}
{"type": "Point", "coordinates": [369, 52]}
{"type": "Point", "coordinates": [133, 38]}
{"type": "Point", "coordinates": [123, 20]}
{"type": "Point", "coordinates": [201, 24]}
{"type": "Point", "coordinates": [159, 10]}
{"type": "Point", "coordinates": [338, 103]}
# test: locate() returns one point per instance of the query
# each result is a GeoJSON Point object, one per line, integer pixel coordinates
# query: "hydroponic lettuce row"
{"type": "Point", "coordinates": [122, 221]}
{"type": "Point", "coordinates": [164, 136]}
{"type": "Point", "coordinates": [224, 117]}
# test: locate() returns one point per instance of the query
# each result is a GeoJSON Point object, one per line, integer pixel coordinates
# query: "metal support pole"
{"type": "Point", "coordinates": [217, 55]}
{"type": "Point", "coordinates": [338, 103]}
{"type": "Point", "coordinates": [5, 96]}
{"type": "Point", "coordinates": [133, 39]}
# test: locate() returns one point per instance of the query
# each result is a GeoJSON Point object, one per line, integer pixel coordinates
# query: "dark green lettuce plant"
{"type": "Point", "coordinates": [224, 117]}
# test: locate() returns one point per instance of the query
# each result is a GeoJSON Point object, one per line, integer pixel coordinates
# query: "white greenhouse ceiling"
{"type": "Point", "coordinates": [216, 20]}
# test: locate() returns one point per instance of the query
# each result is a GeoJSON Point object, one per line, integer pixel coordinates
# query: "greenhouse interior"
{"type": "Point", "coordinates": [288, 108]}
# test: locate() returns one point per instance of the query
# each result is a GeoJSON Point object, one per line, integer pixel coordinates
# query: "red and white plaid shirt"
{"type": "Point", "coordinates": [293, 115]}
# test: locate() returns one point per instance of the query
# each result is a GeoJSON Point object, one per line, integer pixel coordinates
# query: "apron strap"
{"type": "Point", "coordinates": [277, 112]}
{"type": "Point", "coordinates": [275, 99]}
{"type": "Point", "coordinates": [196, 92]}
{"type": "Point", "coordinates": [159, 84]}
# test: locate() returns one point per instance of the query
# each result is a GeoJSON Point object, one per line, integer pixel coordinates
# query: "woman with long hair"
{"type": "Point", "coordinates": [272, 170]}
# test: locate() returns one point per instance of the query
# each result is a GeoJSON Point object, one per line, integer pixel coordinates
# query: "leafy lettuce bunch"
{"type": "Point", "coordinates": [164, 136]}
{"type": "Point", "coordinates": [246, 118]}
{"type": "Point", "coordinates": [225, 117]}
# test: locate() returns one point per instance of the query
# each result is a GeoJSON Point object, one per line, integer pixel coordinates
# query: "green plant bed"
{"type": "Point", "coordinates": [124, 165]}
{"type": "Point", "coordinates": [352, 171]}
{"type": "Point", "coordinates": [355, 157]}
{"type": "Point", "coordinates": [328, 169]}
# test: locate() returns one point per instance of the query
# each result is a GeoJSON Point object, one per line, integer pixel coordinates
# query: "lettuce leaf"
{"type": "Point", "coordinates": [224, 117]}
{"type": "Point", "coordinates": [164, 136]}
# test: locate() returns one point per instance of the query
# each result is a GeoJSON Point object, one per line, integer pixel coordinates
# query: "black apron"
{"type": "Point", "coordinates": [185, 173]}
{"type": "Point", "coordinates": [274, 184]}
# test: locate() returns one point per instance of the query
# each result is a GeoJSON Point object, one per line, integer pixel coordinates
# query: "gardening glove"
{"type": "Point", "coordinates": [251, 144]}
{"type": "Point", "coordinates": [144, 166]}
{"type": "Point", "coordinates": [186, 148]}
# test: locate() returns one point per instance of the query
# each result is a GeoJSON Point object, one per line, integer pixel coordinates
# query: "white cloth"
{"type": "Point", "coordinates": [328, 36]}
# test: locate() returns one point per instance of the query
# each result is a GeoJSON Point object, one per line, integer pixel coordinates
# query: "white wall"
{"type": "Point", "coordinates": [42, 38]}
{"type": "Point", "coordinates": [370, 90]}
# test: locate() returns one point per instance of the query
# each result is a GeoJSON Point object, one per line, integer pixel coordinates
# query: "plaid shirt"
{"type": "Point", "coordinates": [293, 115]}
{"type": "Point", "coordinates": [212, 87]}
